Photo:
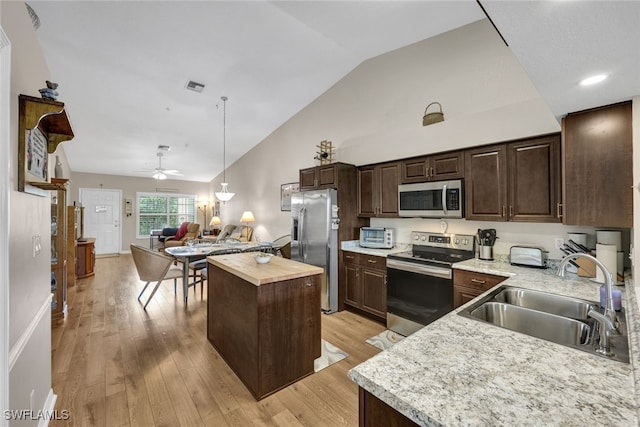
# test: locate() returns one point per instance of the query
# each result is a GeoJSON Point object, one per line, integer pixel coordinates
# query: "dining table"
{"type": "Point", "coordinates": [189, 253]}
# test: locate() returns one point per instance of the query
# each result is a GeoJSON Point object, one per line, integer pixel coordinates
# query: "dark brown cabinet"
{"type": "Point", "coordinates": [85, 258]}
{"type": "Point", "coordinates": [486, 183]}
{"type": "Point", "coordinates": [319, 177]}
{"type": "Point", "coordinates": [373, 412]}
{"type": "Point", "coordinates": [598, 167]}
{"type": "Point", "coordinates": [365, 278]}
{"type": "Point", "coordinates": [378, 190]}
{"type": "Point", "coordinates": [467, 285]}
{"type": "Point", "coordinates": [515, 181]}
{"type": "Point", "coordinates": [437, 167]}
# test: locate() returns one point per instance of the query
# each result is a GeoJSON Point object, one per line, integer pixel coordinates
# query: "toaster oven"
{"type": "Point", "coordinates": [377, 237]}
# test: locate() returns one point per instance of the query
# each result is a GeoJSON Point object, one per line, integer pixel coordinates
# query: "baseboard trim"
{"type": "Point", "coordinates": [49, 407]}
{"type": "Point", "coordinates": [21, 343]}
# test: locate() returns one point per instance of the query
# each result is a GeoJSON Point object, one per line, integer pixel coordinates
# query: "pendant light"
{"type": "Point", "coordinates": [224, 195]}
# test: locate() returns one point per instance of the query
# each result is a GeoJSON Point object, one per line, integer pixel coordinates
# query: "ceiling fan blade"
{"type": "Point", "coordinates": [172, 172]}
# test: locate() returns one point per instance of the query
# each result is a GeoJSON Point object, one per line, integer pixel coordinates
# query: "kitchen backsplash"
{"type": "Point", "coordinates": [509, 233]}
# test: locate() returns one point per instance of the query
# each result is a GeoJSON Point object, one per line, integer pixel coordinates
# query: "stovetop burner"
{"type": "Point", "coordinates": [437, 248]}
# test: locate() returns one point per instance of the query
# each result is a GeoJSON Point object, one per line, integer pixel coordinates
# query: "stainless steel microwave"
{"type": "Point", "coordinates": [440, 199]}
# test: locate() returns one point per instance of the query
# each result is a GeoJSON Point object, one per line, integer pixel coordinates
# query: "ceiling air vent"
{"type": "Point", "coordinates": [194, 86]}
{"type": "Point", "coordinates": [164, 148]}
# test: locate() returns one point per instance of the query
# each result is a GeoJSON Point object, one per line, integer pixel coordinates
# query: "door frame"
{"type": "Point", "coordinates": [5, 182]}
{"type": "Point", "coordinates": [120, 226]}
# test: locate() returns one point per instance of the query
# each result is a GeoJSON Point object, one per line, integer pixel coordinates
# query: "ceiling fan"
{"type": "Point", "coordinates": [161, 173]}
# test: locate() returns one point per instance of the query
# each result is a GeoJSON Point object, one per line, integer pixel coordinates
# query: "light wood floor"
{"type": "Point", "coordinates": [113, 364]}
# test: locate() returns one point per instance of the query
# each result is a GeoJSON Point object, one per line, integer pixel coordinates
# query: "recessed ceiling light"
{"type": "Point", "coordinates": [593, 79]}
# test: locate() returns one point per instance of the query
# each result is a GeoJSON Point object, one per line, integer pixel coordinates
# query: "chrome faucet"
{"type": "Point", "coordinates": [608, 322]}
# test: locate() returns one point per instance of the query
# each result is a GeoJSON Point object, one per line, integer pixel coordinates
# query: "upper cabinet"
{"type": "Point", "coordinates": [437, 167]}
{"type": "Point", "coordinates": [515, 181]}
{"type": "Point", "coordinates": [597, 167]}
{"type": "Point", "coordinates": [43, 124]}
{"type": "Point", "coordinates": [486, 183]}
{"type": "Point", "coordinates": [319, 177]}
{"type": "Point", "coordinates": [378, 190]}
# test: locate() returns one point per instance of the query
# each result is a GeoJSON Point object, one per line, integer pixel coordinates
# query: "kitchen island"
{"type": "Point", "coordinates": [264, 319]}
{"type": "Point", "coordinates": [459, 371]}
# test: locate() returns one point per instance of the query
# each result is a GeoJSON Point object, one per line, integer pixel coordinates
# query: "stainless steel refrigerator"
{"type": "Point", "coordinates": [314, 238]}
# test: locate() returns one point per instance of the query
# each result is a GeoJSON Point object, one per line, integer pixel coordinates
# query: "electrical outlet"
{"type": "Point", "coordinates": [559, 241]}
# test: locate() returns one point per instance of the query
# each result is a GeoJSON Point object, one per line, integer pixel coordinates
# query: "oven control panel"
{"type": "Point", "coordinates": [441, 240]}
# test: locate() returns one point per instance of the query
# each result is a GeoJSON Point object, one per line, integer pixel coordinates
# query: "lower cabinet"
{"type": "Point", "coordinates": [85, 258]}
{"type": "Point", "coordinates": [374, 412]}
{"type": "Point", "coordinates": [467, 285]}
{"type": "Point", "coordinates": [365, 278]}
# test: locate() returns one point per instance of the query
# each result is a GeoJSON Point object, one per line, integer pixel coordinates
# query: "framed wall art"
{"type": "Point", "coordinates": [285, 194]}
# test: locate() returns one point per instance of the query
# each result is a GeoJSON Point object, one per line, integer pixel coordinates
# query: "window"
{"type": "Point", "coordinates": [158, 210]}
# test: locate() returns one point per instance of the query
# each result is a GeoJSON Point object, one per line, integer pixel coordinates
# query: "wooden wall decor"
{"type": "Point", "coordinates": [43, 125]}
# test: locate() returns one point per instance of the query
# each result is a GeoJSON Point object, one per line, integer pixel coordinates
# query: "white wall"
{"type": "Point", "coordinates": [29, 276]}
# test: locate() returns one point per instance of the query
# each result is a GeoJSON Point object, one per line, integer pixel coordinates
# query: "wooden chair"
{"type": "Point", "coordinates": [153, 266]}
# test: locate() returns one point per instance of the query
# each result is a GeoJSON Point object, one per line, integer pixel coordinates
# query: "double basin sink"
{"type": "Point", "coordinates": [556, 318]}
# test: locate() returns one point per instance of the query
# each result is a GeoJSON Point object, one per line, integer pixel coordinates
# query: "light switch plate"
{"type": "Point", "coordinates": [36, 244]}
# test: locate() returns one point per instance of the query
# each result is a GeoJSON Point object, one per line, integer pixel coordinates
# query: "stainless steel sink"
{"type": "Point", "coordinates": [550, 327]}
{"type": "Point", "coordinates": [549, 303]}
{"type": "Point", "coordinates": [556, 318]}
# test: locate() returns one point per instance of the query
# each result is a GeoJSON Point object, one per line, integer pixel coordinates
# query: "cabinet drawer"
{"type": "Point", "coordinates": [373, 261]}
{"type": "Point", "coordinates": [350, 257]}
{"type": "Point", "coordinates": [479, 281]}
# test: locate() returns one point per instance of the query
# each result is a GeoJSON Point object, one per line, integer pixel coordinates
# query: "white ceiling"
{"type": "Point", "coordinates": [122, 66]}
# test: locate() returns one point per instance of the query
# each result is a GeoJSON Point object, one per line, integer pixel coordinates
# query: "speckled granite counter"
{"type": "Point", "coordinates": [458, 371]}
{"type": "Point", "coordinates": [354, 246]}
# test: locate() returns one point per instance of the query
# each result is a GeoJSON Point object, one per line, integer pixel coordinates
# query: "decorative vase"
{"type": "Point", "coordinates": [57, 172]}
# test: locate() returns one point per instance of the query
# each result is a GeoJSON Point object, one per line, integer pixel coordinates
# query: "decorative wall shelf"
{"type": "Point", "coordinates": [43, 125]}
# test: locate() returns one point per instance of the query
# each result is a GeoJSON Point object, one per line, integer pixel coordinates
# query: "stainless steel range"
{"type": "Point", "coordinates": [420, 282]}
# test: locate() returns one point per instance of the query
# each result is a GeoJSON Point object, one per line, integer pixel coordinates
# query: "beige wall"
{"type": "Point", "coordinates": [375, 114]}
{"type": "Point", "coordinates": [29, 215]}
{"type": "Point", "coordinates": [129, 186]}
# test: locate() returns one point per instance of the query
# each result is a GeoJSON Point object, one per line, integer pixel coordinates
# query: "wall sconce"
{"type": "Point", "coordinates": [434, 117]}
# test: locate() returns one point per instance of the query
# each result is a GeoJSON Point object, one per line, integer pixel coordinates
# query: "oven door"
{"type": "Point", "coordinates": [417, 294]}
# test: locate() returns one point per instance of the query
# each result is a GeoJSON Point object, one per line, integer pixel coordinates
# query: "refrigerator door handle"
{"type": "Point", "coordinates": [301, 232]}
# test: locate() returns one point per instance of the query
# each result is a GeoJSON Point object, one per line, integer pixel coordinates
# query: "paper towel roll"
{"type": "Point", "coordinates": [608, 256]}
{"type": "Point", "coordinates": [609, 237]}
{"type": "Point", "coordinates": [580, 238]}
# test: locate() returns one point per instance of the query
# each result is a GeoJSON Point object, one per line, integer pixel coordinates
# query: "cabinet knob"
{"type": "Point", "coordinates": [372, 261]}
{"type": "Point", "coordinates": [558, 209]}
{"type": "Point", "coordinates": [510, 211]}
{"type": "Point", "coordinates": [504, 210]}
{"type": "Point", "coordinates": [478, 281]}
{"type": "Point", "coordinates": [309, 283]}
{"type": "Point", "coordinates": [349, 257]}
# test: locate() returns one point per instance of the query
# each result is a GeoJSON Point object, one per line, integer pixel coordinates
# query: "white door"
{"type": "Point", "coordinates": [102, 210]}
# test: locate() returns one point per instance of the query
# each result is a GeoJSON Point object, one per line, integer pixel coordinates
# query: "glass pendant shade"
{"type": "Point", "coordinates": [159, 175]}
{"type": "Point", "coordinates": [224, 195]}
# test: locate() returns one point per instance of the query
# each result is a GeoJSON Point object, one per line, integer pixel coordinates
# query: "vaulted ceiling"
{"type": "Point", "coordinates": [123, 66]}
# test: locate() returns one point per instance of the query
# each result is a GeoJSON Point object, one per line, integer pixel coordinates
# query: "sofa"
{"type": "Point", "coordinates": [186, 231]}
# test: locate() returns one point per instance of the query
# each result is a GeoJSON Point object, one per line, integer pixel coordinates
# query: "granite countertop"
{"type": "Point", "coordinates": [278, 269]}
{"type": "Point", "coordinates": [458, 371]}
{"type": "Point", "coordinates": [354, 246]}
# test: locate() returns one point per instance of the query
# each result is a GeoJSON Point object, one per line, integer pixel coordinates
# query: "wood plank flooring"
{"type": "Point", "coordinates": [113, 364]}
